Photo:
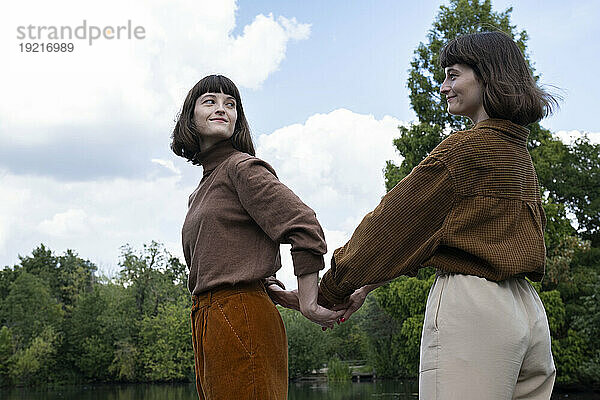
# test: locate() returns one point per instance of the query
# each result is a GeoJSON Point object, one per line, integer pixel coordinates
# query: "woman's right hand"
{"type": "Point", "coordinates": [308, 290]}
{"type": "Point", "coordinates": [322, 316]}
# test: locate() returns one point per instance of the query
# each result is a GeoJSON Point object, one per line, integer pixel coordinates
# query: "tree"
{"type": "Point", "coordinates": [404, 300]}
{"type": "Point", "coordinates": [425, 79]}
{"type": "Point", "coordinates": [382, 339]}
{"type": "Point", "coordinates": [570, 175]}
{"type": "Point", "coordinates": [35, 364]}
{"type": "Point", "coordinates": [100, 344]}
{"type": "Point", "coordinates": [65, 275]}
{"type": "Point", "coordinates": [306, 347]}
{"type": "Point", "coordinates": [89, 344]}
{"type": "Point", "coordinates": [75, 276]}
{"type": "Point", "coordinates": [6, 352]}
{"type": "Point", "coordinates": [29, 309]}
{"type": "Point", "coordinates": [166, 341]}
{"type": "Point", "coordinates": [152, 275]}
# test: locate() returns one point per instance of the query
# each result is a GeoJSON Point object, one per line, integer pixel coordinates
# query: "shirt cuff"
{"type": "Point", "coordinates": [333, 293]}
{"type": "Point", "coordinates": [306, 262]}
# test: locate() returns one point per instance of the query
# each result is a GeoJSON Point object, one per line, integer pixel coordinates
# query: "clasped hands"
{"type": "Point", "coordinates": [306, 299]}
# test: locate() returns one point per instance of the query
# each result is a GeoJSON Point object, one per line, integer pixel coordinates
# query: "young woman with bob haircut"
{"type": "Point", "coordinates": [237, 217]}
{"type": "Point", "coordinates": [471, 209]}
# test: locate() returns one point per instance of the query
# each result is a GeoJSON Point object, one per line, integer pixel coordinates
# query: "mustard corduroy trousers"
{"type": "Point", "coordinates": [240, 345]}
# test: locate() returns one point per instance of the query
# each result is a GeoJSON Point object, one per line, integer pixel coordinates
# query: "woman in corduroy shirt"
{"type": "Point", "coordinates": [237, 217]}
{"type": "Point", "coordinates": [471, 209]}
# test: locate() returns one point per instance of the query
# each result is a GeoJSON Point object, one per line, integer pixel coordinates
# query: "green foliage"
{"type": "Point", "coordinates": [74, 276]}
{"type": "Point", "coordinates": [29, 308]}
{"type": "Point", "coordinates": [559, 232]}
{"type": "Point", "coordinates": [382, 340]}
{"type": "Point", "coordinates": [55, 311]}
{"type": "Point", "coordinates": [7, 277]}
{"type": "Point", "coordinates": [124, 364]}
{"type": "Point", "coordinates": [306, 347]}
{"type": "Point", "coordinates": [555, 310]}
{"type": "Point", "coordinates": [166, 342]}
{"type": "Point", "coordinates": [404, 299]}
{"type": "Point", "coordinates": [66, 275]}
{"type": "Point", "coordinates": [153, 276]}
{"type": "Point", "coordinates": [338, 371]}
{"type": "Point", "coordinates": [570, 174]}
{"type": "Point", "coordinates": [347, 340]}
{"type": "Point", "coordinates": [34, 364]}
{"type": "Point", "coordinates": [408, 353]}
{"type": "Point", "coordinates": [587, 321]}
{"type": "Point", "coordinates": [6, 352]}
{"type": "Point", "coordinates": [94, 357]}
{"type": "Point", "coordinates": [568, 355]}
{"type": "Point", "coordinates": [89, 345]}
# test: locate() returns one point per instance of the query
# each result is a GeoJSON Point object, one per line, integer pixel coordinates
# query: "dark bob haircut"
{"type": "Point", "coordinates": [186, 138]}
{"type": "Point", "coordinates": [509, 89]}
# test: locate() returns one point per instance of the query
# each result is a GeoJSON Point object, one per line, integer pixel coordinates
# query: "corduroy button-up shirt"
{"type": "Point", "coordinates": [238, 216]}
{"type": "Point", "coordinates": [473, 207]}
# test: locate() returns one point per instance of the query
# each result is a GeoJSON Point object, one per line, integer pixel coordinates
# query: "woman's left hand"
{"type": "Point", "coordinates": [285, 298]}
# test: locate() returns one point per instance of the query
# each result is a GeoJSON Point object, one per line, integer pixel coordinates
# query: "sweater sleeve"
{"type": "Point", "coordinates": [280, 213]}
{"type": "Point", "coordinates": [397, 237]}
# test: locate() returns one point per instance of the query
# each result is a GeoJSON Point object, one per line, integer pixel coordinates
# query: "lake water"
{"type": "Point", "coordinates": [382, 390]}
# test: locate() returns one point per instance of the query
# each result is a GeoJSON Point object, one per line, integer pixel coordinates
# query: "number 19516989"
{"type": "Point", "coordinates": [47, 47]}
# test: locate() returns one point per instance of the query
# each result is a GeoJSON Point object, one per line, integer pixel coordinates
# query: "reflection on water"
{"type": "Point", "coordinates": [384, 390]}
{"type": "Point", "coordinates": [106, 392]}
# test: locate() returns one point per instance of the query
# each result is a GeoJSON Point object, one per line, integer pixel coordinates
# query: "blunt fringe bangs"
{"type": "Point", "coordinates": [186, 138]}
{"type": "Point", "coordinates": [509, 89]}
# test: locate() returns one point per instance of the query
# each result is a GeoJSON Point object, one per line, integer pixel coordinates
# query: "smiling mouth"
{"type": "Point", "coordinates": [218, 119]}
{"type": "Point", "coordinates": [450, 98]}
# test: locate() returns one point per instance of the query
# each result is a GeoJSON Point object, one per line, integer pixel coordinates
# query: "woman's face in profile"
{"type": "Point", "coordinates": [464, 92]}
{"type": "Point", "coordinates": [215, 115]}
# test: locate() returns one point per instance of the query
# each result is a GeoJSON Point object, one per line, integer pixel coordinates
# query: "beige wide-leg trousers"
{"type": "Point", "coordinates": [485, 340]}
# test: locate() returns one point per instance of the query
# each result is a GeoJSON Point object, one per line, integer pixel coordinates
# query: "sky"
{"type": "Point", "coordinates": [85, 162]}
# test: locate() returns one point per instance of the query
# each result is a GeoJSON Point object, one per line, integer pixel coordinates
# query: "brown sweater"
{"type": "Point", "coordinates": [237, 217]}
{"type": "Point", "coordinates": [472, 206]}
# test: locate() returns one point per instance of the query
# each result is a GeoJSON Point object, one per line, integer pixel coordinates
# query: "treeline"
{"type": "Point", "coordinates": [62, 323]}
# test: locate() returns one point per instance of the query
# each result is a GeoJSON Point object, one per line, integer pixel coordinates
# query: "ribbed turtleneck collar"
{"type": "Point", "coordinates": [516, 132]}
{"type": "Point", "coordinates": [215, 155]}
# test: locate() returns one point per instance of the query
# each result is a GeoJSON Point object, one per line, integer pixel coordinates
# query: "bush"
{"type": "Point", "coordinates": [34, 364]}
{"type": "Point", "coordinates": [337, 370]}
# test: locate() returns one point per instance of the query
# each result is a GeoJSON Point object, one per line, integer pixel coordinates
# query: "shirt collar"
{"type": "Point", "coordinates": [215, 155]}
{"type": "Point", "coordinates": [516, 132]}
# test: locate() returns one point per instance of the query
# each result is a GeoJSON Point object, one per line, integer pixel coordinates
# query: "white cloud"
{"type": "Point", "coordinates": [168, 164]}
{"type": "Point", "coordinates": [569, 137]}
{"type": "Point", "coordinates": [141, 81]}
{"type": "Point", "coordinates": [69, 223]}
{"type": "Point", "coordinates": [93, 218]}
